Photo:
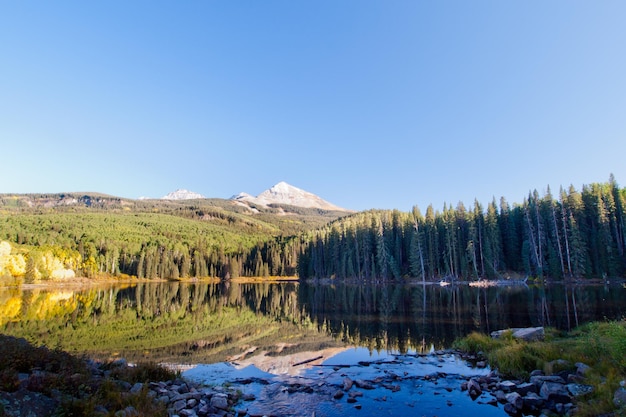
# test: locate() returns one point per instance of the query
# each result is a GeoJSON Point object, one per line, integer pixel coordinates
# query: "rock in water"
{"type": "Point", "coordinates": [474, 388]}
{"type": "Point", "coordinates": [360, 383]}
{"type": "Point", "coordinates": [347, 384]}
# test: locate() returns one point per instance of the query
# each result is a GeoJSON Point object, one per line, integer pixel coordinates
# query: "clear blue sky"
{"type": "Point", "coordinates": [369, 104]}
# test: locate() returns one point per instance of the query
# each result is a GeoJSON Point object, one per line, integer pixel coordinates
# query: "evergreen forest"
{"type": "Point", "coordinates": [575, 235]}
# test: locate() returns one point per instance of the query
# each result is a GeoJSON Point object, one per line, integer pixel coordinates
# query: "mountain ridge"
{"type": "Point", "coordinates": [281, 194]}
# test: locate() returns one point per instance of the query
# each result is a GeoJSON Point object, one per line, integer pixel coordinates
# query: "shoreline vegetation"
{"type": "Point", "coordinates": [592, 355]}
{"type": "Point", "coordinates": [84, 282]}
{"type": "Point", "coordinates": [598, 348]}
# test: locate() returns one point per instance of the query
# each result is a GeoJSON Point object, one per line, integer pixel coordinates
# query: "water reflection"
{"type": "Point", "coordinates": [406, 317]}
{"type": "Point", "coordinates": [175, 322]}
{"type": "Point", "coordinates": [207, 323]}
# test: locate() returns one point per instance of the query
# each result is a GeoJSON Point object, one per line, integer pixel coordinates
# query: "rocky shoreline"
{"type": "Point", "coordinates": [442, 383]}
{"type": "Point", "coordinates": [540, 395]}
{"type": "Point", "coordinates": [186, 399]}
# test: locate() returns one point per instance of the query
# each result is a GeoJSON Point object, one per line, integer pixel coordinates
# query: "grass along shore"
{"type": "Point", "coordinates": [600, 345]}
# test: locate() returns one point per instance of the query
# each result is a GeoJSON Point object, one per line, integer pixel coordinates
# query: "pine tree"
{"type": "Point", "coordinates": [493, 245]}
{"type": "Point", "coordinates": [417, 253]}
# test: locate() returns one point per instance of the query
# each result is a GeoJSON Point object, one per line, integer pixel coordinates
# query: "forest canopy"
{"type": "Point", "coordinates": [574, 235]}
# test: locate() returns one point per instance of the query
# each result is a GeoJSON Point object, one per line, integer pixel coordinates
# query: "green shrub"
{"type": "Point", "coordinates": [515, 359]}
{"type": "Point", "coordinates": [478, 342]}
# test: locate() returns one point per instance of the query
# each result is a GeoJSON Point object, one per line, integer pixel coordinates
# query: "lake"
{"type": "Point", "coordinates": [220, 332]}
{"type": "Point", "coordinates": [191, 323]}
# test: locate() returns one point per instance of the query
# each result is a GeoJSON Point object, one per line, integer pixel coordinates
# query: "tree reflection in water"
{"type": "Point", "coordinates": [210, 322]}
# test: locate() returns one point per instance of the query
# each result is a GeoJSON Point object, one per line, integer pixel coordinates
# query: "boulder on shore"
{"type": "Point", "coordinates": [619, 398]}
{"type": "Point", "coordinates": [528, 334]}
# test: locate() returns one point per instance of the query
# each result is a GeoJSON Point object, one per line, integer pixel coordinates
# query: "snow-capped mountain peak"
{"type": "Point", "coordinates": [283, 193]}
{"type": "Point", "coordinates": [283, 187]}
{"type": "Point", "coordinates": [182, 195]}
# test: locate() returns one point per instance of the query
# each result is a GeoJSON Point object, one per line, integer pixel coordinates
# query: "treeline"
{"type": "Point", "coordinates": [577, 235]}
{"type": "Point", "coordinates": [574, 235]}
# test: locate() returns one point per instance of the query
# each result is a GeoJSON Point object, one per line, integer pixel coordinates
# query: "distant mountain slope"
{"type": "Point", "coordinates": [213, 210]}
{"type": "Point", "coordinates": [286, 194]}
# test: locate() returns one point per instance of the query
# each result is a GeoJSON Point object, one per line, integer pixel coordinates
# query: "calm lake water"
{"type": "Point", "coordinates": [191, 323]}
{"type": "Point", "coordinates": [293, 343]}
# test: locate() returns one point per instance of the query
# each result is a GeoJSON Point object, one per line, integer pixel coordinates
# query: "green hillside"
{"type": "Point", "coordinates": [95, 234]}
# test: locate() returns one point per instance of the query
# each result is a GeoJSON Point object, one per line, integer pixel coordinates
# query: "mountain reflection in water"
{"type": "Point", "coordinates": [190, 323]}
